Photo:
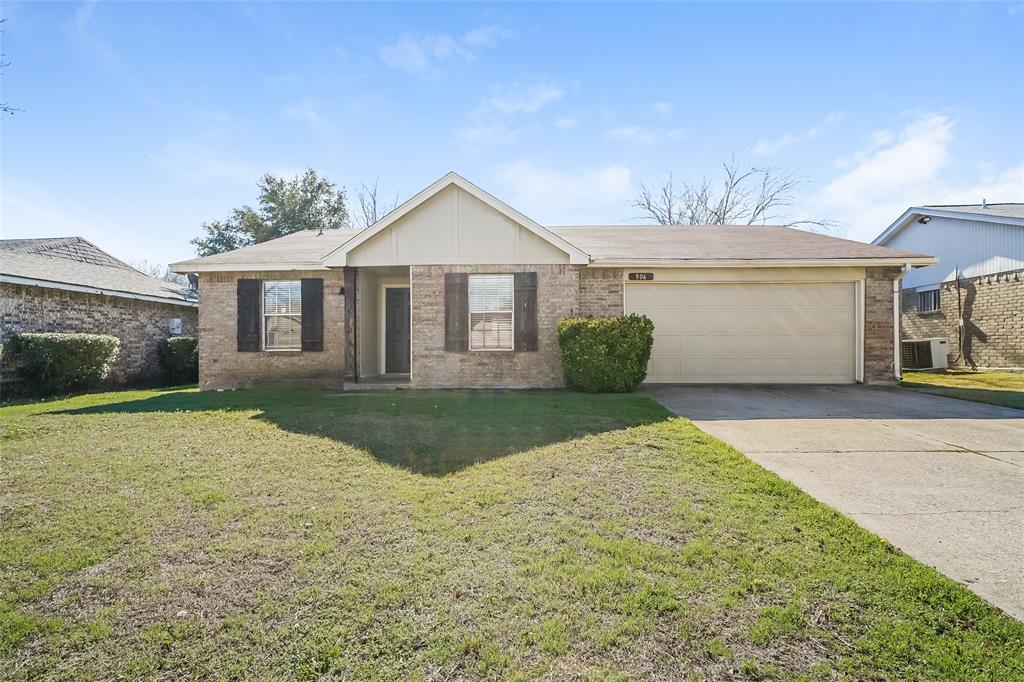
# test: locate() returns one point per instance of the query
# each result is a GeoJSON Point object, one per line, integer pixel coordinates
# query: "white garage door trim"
{"type": "Point", "coordinates": [829, 374]}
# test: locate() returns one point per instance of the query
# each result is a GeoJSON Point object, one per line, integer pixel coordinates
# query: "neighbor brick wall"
{"type": "Point", "coordinates": [878, 324]}
{"type": "Point", "coordinates": [601, 291]}
{"type": "Point", "coordinates": [993, 308]}
{"type": "Point", "coordinates": [433, 367]}
{"type": "Point", "coordinates": [140, 325]}
{"type": "Point", "coordinates": [222, 366]}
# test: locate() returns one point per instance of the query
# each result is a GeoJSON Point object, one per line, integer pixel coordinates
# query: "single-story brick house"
{"type": "Point", "coordinates": [68, 284]}
{"type": "Point", "coordinates": [454, 288]}
{"type": "Point", "coordinates": [973, 297]}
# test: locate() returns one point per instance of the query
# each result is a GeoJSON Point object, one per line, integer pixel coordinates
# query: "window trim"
{"type": "Point", "coordinates": [264, 315]}
{"type": "Point", "coordinates": [933, 296]}
{"type": "Point", "coordinates": [469, 313]}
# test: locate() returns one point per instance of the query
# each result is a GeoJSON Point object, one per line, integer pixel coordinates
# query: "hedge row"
{"type": "Point", "coordinates": [62, 363]}
{"type": "Point", "coordinates": [51, 363]}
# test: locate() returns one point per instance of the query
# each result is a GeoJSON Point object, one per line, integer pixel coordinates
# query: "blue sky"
{"type": "Point", "coordinates": [140, 121]}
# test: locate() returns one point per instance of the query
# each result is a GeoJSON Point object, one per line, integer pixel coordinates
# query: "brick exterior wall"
{"type": "Point", "coordinates": [878, 325]}
{"type": "Point", "coordinates": [140, 325]}
{"type": "Point", "coordinates": [601, 291]}
{"type": "Point", "coordinates": [563, 290]}
{"type": "Point", "coordinates": [433, 367]}
{"type": "Point", "coordinates": [993, 310]}
{"type": "Point", "coordinates": [222, 366]}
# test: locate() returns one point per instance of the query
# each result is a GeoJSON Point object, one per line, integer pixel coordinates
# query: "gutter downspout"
{"type": "Point", "coordinates": [896, 310]}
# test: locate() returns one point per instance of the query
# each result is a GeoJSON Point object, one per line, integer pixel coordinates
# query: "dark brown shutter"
{"type": "Point", "coordinates": [249, 315]}
{"type": "Point", "coordinates": [312, 314]}
{"type": "Point", "coordinates": [526, 311]}
{"type": "Point", "coordinates": [456, 311]}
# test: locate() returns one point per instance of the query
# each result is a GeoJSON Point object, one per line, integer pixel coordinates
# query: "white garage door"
{"type": "Point", "coordinates": [749, 333]}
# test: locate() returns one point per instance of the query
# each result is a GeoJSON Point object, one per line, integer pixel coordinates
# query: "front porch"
{"type": "Point", "coordinates": [383, 328]}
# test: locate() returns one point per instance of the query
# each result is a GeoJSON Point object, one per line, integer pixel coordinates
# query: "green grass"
{"type": "Point", "coordinates": [303, 535]}
{"type": "Point", "coordinates": [997, 388]}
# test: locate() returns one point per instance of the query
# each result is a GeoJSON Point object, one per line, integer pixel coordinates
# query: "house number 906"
{"type": "Point", "coordinates": [641, 276]}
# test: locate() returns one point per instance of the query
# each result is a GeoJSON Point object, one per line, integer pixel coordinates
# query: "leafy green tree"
{"type": "Point", "coordinates": [306, 202]}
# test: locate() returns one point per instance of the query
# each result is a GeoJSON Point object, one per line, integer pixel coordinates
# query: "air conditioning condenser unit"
{"type": "Point", "coordinates": [924, 354]}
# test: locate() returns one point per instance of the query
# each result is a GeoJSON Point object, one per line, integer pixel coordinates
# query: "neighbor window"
{"type": "Point", "coordinates": [928, 301]}
{"type": "Point", "coordinates": [282, 315]}
{"type": "Point", "coordinates": [490, 312]}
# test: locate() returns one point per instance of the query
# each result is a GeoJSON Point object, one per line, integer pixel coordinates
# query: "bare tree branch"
{"type": "Point", "coordinates": [5, 108]}
{"type": "Point", "coordinates": [371, 207]}
{"type": "Point", "coordinates": [747, 196]}
{"type": "Point", "coordinates": [159, 271]}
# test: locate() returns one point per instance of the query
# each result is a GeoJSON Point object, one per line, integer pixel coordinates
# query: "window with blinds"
{"type": "Point", "coordinates": [490, 312]}
{"type": "Point", "coordinates": [282, 315]}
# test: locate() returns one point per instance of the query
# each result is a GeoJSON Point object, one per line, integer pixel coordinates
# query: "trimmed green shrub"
{"type": "Point", "coordinates": [179, 358]}
{"type": "Point", "coordinates": [60, 363]}
{"type": "Point", "coordinates": [605, 354]}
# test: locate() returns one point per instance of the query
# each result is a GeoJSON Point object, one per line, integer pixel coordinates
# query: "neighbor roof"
{"type": "Point", "coordinates": [688, 243]}
{"type": "Point", "coordinates": [76, 264]}
{"type": "Point", "coordinates": [998, 210]}
{"type": "Point", "coordinates": [1005, 214]}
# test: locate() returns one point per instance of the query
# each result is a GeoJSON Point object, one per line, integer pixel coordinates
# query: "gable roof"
{"type": "Point", "coordinates": [1006, 214]}
{"type": "Point", "coordinates": [338, 258]}
{"type": "Point", "coordinates": [75, 264]}
{"type": "Point", "coordinates": [725, 244]}
{"type": "Point", "coordinates": [689, 245]}
{"type": "Point", "coordinates": [305, 250]}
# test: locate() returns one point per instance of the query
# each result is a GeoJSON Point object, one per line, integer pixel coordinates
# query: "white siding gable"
{"type": "Point", "coordinates": [977, 247]}
{"type": "Point", "coordinates": [454, 227]}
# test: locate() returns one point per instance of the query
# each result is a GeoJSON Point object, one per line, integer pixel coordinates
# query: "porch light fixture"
{"type": "Point", "coordinates": [924, 220]}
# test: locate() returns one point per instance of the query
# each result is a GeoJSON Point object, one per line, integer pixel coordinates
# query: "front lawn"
{"type": "Point", "coordinates": [998, 388]}
{"type": "Point", "coordinates": [173, 534]}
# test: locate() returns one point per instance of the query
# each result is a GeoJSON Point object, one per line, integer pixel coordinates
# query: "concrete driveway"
{"type": "Point", "coordinates": [942, 479]}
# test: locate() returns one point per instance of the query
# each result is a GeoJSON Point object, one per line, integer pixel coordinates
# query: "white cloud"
{"type": "Point", "coordinates": [485, 135]}
{"type": "Point", "coordinates": [566, 123]}
{"type": "Point", "coordinates": [487, 36]}
{"type": "Point", "coordinates": [553, 196]}
{"type": "Point", "coordinates": [884, 179]}
{"type": "Point", "coordinates": [424, 55]}
{"type": "Point", "coordinates": [520, 97]}
{"type": "Point", "coordinates": [633, 134]}
{"type": "Point", "coordinates": [201, 160]}
{"type": "Point", "coordinates": [306, 112]}
{"type": "Point", "coordinates": [640, 135]}
{"type": "Point", "coordinates": [663, 109]}
{"type": "Point", "coordinates": [880, 138]}
{"type": "Point", "coordinates": [487, 126]}
{"type": "Point", "coordinates": [769, 147]}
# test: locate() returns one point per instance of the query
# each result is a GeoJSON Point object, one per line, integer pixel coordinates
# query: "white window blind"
{"type": "Point", "coordinates": [928, 301]}
{"type": "Point", "coordinates": [490, 312]}
{"type": "Point", "coordinates": [282, 315]}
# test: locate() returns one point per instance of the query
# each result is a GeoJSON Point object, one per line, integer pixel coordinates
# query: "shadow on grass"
{"type": "Point", "coordinates": [1003, 398]}
{"type": "Point", "coordinates": [430, 433]}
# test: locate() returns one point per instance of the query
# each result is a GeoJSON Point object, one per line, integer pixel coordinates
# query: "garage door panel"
{"type": "Point", "coordinates": [749, 332]}
{"type": "Point", "coordinates": [666, 320]}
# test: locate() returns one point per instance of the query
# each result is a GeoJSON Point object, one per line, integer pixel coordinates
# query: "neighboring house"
{"type": "Point", "coordinates": [67, 284]}
{"type": "Point", "coordinates": [979, 278]}
{"type": "Point", "coordinates": [456, 289]}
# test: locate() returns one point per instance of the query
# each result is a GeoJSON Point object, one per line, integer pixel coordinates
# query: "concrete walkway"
{"type": "Point", "coordinates": [942, 479]}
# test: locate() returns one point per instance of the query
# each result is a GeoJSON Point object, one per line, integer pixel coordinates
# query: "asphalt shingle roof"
{"type": "Point", "coordinates": [717, 242]}
{"type": "Point", "coordinates": [995, 210]}
{"type": "Point", "coordinates": [308, 246]}
{"type": "Point", "coordinates": [76, 261]}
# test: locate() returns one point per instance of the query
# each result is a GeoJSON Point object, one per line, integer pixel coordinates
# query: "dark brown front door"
{"type": "Point", "coordinates": [396, 331]}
